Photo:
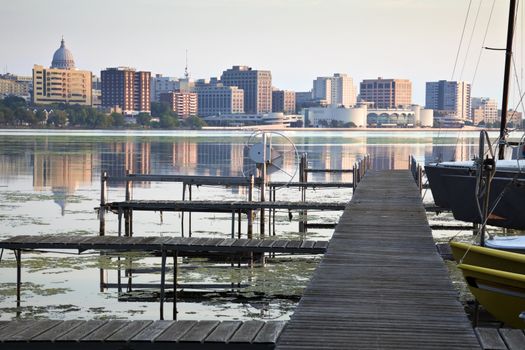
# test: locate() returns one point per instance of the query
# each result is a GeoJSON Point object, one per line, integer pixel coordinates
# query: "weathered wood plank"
{"type": "Point", "coordinates": [514, 338]}
{"type": "Point", "coordinates": [33, 330]}
{"type": "Point", "coordinates": [81, 331]}
{"type": "Point", "coordinates": [270, 332]}
{"type": "Point", "coordinates": [199, 332]}
{"type": "Point", "coordinates": [223, 332]}
{"type": "Point", "coordinates": [152, 331]}
{"type": "Point", "coordinates": [490, 339]}
{"type": "Point", "coordinates": [105, 331]}
{"type": "Point", "coordinates": [127, 332]}
{"type": "Point", "coordinates": [247, 332]}
{"type": "Point", "coordinates": [57, 331]}
{"type": "Point", "coordinates": [174, 332]}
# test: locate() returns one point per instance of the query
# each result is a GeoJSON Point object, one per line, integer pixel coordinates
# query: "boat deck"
{"type": "Point", "coordinates": [381, 284]}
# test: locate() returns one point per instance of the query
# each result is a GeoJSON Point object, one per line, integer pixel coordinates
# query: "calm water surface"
{"type": "Point", "coordinates": [50, 183]}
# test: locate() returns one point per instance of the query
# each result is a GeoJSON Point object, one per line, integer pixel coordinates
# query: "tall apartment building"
{"type": "Point", "coordinates": [386, 93]}
{"type": "Point", "coordinates": [62, 82]}
{"type": "Point", "coordinates": [256, 84]}
{"type": "Point", "coordinates": [160, 85]}
{"type": "Point", "coordinates": [15, 85]}
{"type": "Point", "coordinates": [283, 101]}
{"type": "Point", "coordinates": [183, 103]}
{"type": "Point", "coordinates": [127, 89]}
{"type": "Point", "coordinates": [213, 98]}
{"type": "Point", "coordinates": [338, 90]}
{"type": "Point", "coordinates": [484, 110]}
{"type": "Point", "coordinates": [449, 97]}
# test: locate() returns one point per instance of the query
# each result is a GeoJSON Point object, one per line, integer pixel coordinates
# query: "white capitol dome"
{"type": "Point", "coordinates": [63, 58]}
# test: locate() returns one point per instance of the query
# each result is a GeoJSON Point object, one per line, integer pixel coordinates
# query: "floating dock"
{"type": "Point", "coordinates": [381, 284]}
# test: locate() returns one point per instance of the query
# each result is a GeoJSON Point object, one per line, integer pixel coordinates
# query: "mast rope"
{"type": "Point", "coordinates": [461, 39]}
{"type": "Point", "coordinates": [470, 39]}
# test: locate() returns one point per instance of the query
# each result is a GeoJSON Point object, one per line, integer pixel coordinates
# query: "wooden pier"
{"type": "Point", "coordinates": [121, 334]}
{"type": "Point", "coordinates": [381, 283]}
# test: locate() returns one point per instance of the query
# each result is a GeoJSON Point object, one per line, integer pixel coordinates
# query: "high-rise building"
{"type": "Point", "coordinates": [183, 103]}
{"type": "Point", "coordinates": [214, 98]}
{"type": "Point", "coordinates": [449, 97]}
{"type": "Point", "coordinates": [127, 89]}
{"type": "Point", "coordinates": [62, 82]}
{"type": "Point", "coordinates": [484, 110]}
{"type": "Point", "coordinates": [283, 101]}
{"type": "Point", "coordinates": [256, 84]}
{"type": "Point", "coordinates": [160, 85]}
{"type": "Point", "coordinates": [337, 90]}
{"type": "Point", "coordinates": [386, 93]}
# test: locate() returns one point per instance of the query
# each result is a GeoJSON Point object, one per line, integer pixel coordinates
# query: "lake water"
{"type": "Point", "coordinates": [50, 184]}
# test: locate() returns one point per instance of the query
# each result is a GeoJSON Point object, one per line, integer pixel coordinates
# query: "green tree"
{"type": "Point", "coordinates": [118, 119]}
{"type": "Point", "coordinates": [14, 102]}
{"type": "Point", "coordinates": [143, 119]}
{"type": "Point", "coordinates": [57, 118]}
{"type": "Point", "coordinates": [6, 116]}
{"type": "Point", "coordinates": [41, 116]}
{"type": "Point", "coordinates": [194, 122]}
{"type": "Point", "coordinates": [159, 108]}
{"type": "Point", "coordinates": [168, 121]}
{"type": "Point", "coordinates": [23, 116]}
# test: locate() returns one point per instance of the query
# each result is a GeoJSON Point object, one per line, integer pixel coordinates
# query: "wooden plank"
{"type": "Point", "coordinates": [174, 332]}
{"type": "Point", "coordinates": [269, 332]}
{"type": "Point", "coordinates": [199, 332]}
{"type": "Point", "coordinates": [81, 331]}
{"type": "Point", "coordinates": [267, 243]}
{"type": "Point", "coordinates": [127, 332]}
{"type": "Point", "coordinates": [105, 331]}
{"type": "Point", "coordinates": [514, 338]}
{"type": "Point", "coordinates": [14, 327]}
{"type": "Point", "coordinates": [33, 330]}
{"type": "Point", "coordinates": [152, 331]}
{"type": "Point", "coordinates": [223, 332]}
{"type": "Point", "coordinates": [307, 244]}
{"type": "Point", "coordinates": [247, 332]}
{"type": "Point", "coordinates": [321, 244]}
{"type": "Point", "coordinates": [57, 331]}
{"type": "Point", "coordinates": [490, 339]}
{"type": "Point", "coordinates": [227, 242]}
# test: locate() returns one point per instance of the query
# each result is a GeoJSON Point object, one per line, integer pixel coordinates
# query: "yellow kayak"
{"type": "Point", "coordinates": [490, 258]}
{"type": "Point", "coordinates": [502, 293]}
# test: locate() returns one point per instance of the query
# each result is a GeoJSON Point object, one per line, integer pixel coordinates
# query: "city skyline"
{"type": "Point", "coordinates": [296, 40]}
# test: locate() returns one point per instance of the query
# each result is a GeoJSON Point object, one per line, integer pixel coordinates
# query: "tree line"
{"type": "Point", "coordinates": [15, 112]}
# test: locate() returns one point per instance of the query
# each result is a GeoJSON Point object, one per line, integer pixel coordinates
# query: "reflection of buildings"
{"type": "Point", "coordinates": [122, 156]}
{"type": "Point", "coordinates": [62, 173]}
{"type": "Point", "coordinates": [221, 158]}
{"type": "Point", "coordinates": [184, 157]}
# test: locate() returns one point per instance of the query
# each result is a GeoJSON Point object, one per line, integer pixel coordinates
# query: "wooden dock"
{"type": "Point", "coordinates": [218, 206]}
{"type": "Point", "coordinates": [381, 283]}
{"type": "Point", "coordinates": [121, 334]}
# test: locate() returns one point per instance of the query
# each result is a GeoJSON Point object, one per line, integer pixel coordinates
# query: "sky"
{"type": "Point", "coordinates": [298, 40]}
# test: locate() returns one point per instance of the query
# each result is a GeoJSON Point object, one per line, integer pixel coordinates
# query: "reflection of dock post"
{"type": "Point", "coordinates": [182, 212]}
{"type": "Point", "coordinates": [303, 178]}
{"type": "Point", "coordinates": [189, 213]}
{"type": "Point", "coordinates": [102, 208]}
{"type": "Point", "coordinates": [175, 272]}
{"type": "Point", "coordinates": [249, 230]}
{"type": "Point", "coordinates": [18, 257]}
{"type": "Point", "coordinates": [162, 282]}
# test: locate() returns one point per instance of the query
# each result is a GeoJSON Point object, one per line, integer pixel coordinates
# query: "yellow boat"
{"type": "Point", "coordinates": [502, 293]}
{"type": "Point", "coordinates": [490, 258]}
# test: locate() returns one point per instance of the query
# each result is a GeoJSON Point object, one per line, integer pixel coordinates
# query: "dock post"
{"type": "Point", "coordinates": [175, 272]}
{"type": "Point", "coordinates": [102, 208]}
{"type": "Point", "coordinates": [162, 282]}
{"type": "Point", "coordinates": [189, 213]}
{"type": "Point", "coordinates": [182, 212]}
{"type": "Point", "coordinates": [250, 212]}
{"type": "Point", "coordinates": [233, 224]}
{"type": "Point", "coordinates": [273, 220]}
{"type": "Point", "coordinates": [18, 257]}
{"type": "Point", "coordinates": [127, 215]}
{"type": "Point", "coordinates": [239, 229]}
{"type": "Point", "coordinates": [420, 178]}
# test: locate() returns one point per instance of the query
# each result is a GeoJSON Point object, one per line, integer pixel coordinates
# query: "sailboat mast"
{"type": "Point", "coordinates": [506, 79]}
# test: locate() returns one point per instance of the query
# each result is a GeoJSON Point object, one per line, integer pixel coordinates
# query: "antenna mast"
{"type": "Point", "coordinates": [186, 73]}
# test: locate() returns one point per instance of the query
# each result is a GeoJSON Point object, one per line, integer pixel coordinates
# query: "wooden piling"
{"type": "Point", "coordinates": [102, 208]}
{"type": "Point", "coordinates": [175, 273]}
{"type": "Point", "coordinates": [249, 229]}
{"type": "Point", "coordinates": [162, 282]}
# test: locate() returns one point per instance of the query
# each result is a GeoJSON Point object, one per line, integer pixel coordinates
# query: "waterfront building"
{"type": "Point", "coordinates": [283, 101]}
{"type": "Point", "coordinates": [334, 116]}
{"type": "Point", "coordinates": [484, 110]}
{"type": "Point", "coordinates": [183, 103]}
{"type": "Point", "coordinates": [279, 119]}
{"type": "Point", "coordinates": [62, 82]}
{"type": "Point", "coordinates": [256, 84]}
{"type": "Point", "coordinates": [338, 90]}
{"type": "Point", "coordinates": [449, 98]}
{"type": "Point", "coordinates": [160, 84]}
{"type": "Point", "coordinates": [126, 89]}
{"type": "Point", "coordinates": [214, 98]}
{"type": "Point", "coordinates": [409, 116]}
{"type": "Point", "coordinates": [386, 93]}
{"type": "Point", "coordinates": [513, 117]}
{"type": "Point", "coordinates": [15, 85]}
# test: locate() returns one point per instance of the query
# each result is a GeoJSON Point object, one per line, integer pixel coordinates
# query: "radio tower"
{"type": "Point", "coordinates": [186, 73]}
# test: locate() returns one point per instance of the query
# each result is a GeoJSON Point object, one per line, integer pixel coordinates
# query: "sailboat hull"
{"type": "Point", "coordinates": [489, 258]}
{"type": "Point", "coordinates": [501, 293]}
{"type": "Point", "coordinates": [506, 203]}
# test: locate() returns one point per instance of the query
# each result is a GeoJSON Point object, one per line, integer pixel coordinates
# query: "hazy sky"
{"type": "Point", "coordinates": [297, 40]}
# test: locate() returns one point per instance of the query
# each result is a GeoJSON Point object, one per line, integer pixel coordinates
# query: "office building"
{"type": "Point", "coordinates": [213, 98]}
{"type": "Point", "coordinates": [484, 110]}
{"type": "Point", "coordinates": [183, 103]}
{"type": "Point", "coordinates": [449, 98]}
{"type": "Point", "coordinates": [386, 93]}
{"type": "Point", "coordinates": [62, 82]}
{"type": "Point", "coordinates": [336, 90]}
{"type": "Point", "coordinates": [160, 85]}
{"type": "Point", "coordinates": [15, 85]}
{"type": "Point", "coordinates": [283, 101]}
{"type": "Point", "coordinates": [126, 89]}
{"type": "Point", "coordinates": [256, 84]}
